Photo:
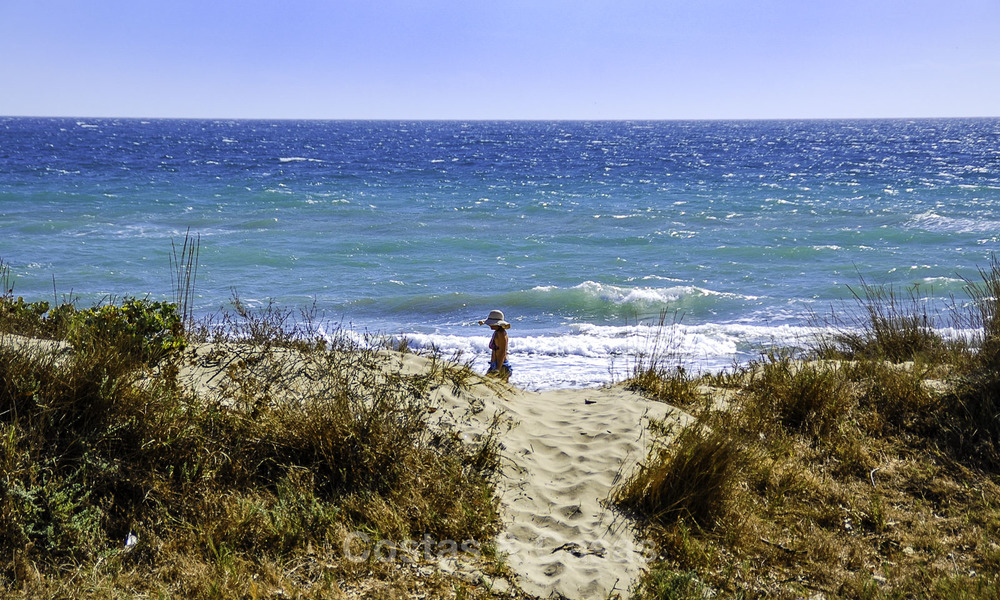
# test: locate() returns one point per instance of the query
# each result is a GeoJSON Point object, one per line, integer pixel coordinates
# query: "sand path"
{"type": "Point", "coordinates": [563, 452]}
{"type": "Point", "coordinates": [565, 455]}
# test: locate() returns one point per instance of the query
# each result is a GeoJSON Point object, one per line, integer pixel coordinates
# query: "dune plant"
{"type": "Point", "coordinates": [666, 584]}
{"type": "Point", "coordinates": [971, 413]}
{"type": "Point", "coordinates": [885, 323]}
{"type": "Point", "coordinates": [801, 397]}
{"type": "Point", "coordinates": [140, 328]}
{"type": "Point", "coordinates": [184, 272]}
{"type": "Point", "coordinates": [694, 478]}
{"type": "Point", "coordinates": [657, 370]}
{"type": "Point", "coordinates": [894, 399]}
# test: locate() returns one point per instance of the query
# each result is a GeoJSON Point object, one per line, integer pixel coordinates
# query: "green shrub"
{"type": "Point", "coordinates": [19, 316]}
{"type": "Point", "coordinates": [141, 328]}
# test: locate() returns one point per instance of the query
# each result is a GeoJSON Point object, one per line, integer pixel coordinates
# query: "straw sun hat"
{"type": "Point", "coordinates": [495, 318]}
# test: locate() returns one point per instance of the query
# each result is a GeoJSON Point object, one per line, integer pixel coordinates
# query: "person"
{"type": "Point", "coordinates": [499, 365]}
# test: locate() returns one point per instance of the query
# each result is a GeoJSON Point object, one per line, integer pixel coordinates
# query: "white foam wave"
{"type": "Point", "coordinates": [943, 280]}
{"type": "Point", "coordinates": [291, 159]}
{"type": "Point", "coordinates": [931, 221]}
{"type": "Point", "coordinates": [594, 355]}
{"type": "Point", "coordinates": [621, 295]}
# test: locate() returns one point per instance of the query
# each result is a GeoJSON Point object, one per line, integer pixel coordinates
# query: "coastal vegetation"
{"type": "Point", "coordinates": [865, 466]}
{"type": "Point", "coordinates": [144, 454]}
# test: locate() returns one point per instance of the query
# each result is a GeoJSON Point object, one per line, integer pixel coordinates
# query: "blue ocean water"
{"type": "Point", "coordinates": [584, 233]}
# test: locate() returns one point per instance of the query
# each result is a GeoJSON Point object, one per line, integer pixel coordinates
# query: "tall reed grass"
{"type": "Point", "coordinates": [657, 370]}
{"type": "Point", "coordinates": [971, 417]}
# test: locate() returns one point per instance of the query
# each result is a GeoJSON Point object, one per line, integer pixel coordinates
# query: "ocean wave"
{"type": "Point", "coordinates": [605, 342]}
{"type": "Point", "coordinates": [549, 306]}
{"type": "Point", "coordinates": [935, 223]}
{"type": "Point", "coordinates": [62, 171]}
{"type": "Point", "coordinates": [600, 299]}
{"type": "Point", "coordinates": [291, 159]}
{"type": "Point", "coordinates": [944, 280]}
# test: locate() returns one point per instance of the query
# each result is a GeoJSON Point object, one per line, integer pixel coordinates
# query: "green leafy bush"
{"type": "Point", "coordinates": [18, 316]}
{"type": "Point", "coordinates": [139, 328]}
{"type": "Point", "coordinates": [149, 330]}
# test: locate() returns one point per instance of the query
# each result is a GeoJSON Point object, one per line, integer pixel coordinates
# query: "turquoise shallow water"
{"type": "Point", "coordinates": [577, 230]}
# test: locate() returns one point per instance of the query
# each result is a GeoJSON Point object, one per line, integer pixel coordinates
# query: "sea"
{"type": "Point", "coordinates": [604, 243]}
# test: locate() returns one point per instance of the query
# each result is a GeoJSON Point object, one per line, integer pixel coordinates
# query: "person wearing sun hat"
{"type": "Point", "coordinates": [499, 365]}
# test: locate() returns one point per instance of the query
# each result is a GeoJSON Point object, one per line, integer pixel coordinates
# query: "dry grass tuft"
{"type": "Point", "coordinates": [890, 324]}
{"type": "Point", "coordinates": [793, 396]}
{"type": "Point", "coordinates": [657, 370]}
{"type": "Point", "coordinates": [694, 479]}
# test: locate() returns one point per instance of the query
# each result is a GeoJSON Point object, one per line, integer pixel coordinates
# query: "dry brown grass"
{"type": "Point", "coordinates": [693, 479]}
{"type": "Point", "coordinates": [857, 478]}
{"type": "Point", "coordinates": [864, 506]}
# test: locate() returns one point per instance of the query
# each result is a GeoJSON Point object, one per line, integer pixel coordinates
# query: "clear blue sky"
{"type": "Point", "coordinates": [492, 59]}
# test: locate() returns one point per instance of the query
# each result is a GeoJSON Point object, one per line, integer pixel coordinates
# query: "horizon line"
{"type": "Point", "coordinates": [498, 119]}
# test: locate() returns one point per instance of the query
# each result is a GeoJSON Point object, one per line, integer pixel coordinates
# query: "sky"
{"type": "Point", "coordinates": [500, 59]}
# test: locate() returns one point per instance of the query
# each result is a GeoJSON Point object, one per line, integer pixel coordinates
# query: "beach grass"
{"type": "Point", "coordinates": [658, 371]}
{"type": "Point", "coordinates": [122, 479]}
{"type": "Point", "coordinates": [864, 467]}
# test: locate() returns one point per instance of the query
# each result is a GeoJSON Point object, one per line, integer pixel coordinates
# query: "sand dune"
{"type": "Point", "coordinates": [562, 453]}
